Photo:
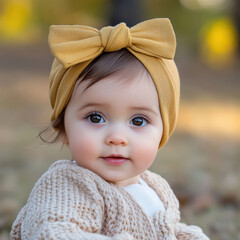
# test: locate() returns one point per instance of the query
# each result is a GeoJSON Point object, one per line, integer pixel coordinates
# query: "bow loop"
{"type": "Point", "coordinates": [154, 38]}
{"type": "Point", "coordinates": [115, 38]}
{"type": "Point", "coordinates": [74, 44]}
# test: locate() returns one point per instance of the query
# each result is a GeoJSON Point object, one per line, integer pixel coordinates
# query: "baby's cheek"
{"type": "Point", "coordinates": [84, 147]}
{"type": "Point", "coordinates": [147, 152]}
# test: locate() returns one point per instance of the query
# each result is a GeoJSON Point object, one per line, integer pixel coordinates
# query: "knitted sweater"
{"type": "Point", "coordinates": [71, 202]}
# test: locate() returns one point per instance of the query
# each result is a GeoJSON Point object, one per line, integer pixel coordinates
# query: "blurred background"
{"type": "Point", "coordinates": [200, 161]}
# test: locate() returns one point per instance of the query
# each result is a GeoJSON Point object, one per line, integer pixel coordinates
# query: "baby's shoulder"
{"type": "Point", "coordinates": [66, 174]}
{"type": "Point", "coordinates": [69, 169]}
{"type": "Point", "coordinates": [64, 168]}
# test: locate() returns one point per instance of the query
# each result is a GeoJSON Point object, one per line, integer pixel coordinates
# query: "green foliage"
{"type": "Point", "coordinates": [187, 23]}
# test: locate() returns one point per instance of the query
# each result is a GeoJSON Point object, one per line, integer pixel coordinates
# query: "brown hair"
{"type": "Point", "coordinates": [101, 67]}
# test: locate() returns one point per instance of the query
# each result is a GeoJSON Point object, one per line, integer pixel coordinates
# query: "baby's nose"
{"type": "Point", "coordinates": [116, 138]}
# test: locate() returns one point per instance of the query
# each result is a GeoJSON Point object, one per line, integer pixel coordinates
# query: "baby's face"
{"type": "Point", "coordinates": [114, 127]}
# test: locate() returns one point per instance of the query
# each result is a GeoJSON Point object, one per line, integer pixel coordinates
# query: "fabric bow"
{"type": "Point", "coordinates": [76, 44]}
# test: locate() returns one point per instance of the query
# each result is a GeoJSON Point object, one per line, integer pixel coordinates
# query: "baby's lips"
{"type": "Point", "coordinates": [116, 156]}
{"type": "Point", "coordinates": [115, 159]}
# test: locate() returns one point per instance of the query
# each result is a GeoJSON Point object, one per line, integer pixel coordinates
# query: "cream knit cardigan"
{"type": "Point", "coordinates": [71, 202]}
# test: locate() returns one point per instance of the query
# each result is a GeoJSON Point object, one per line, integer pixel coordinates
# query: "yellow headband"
{"type": "Point", "coordinates": [152, 42]}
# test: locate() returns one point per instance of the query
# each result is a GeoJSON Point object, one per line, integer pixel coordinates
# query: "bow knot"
{"type": "Point", "coordinates": [115, 38]}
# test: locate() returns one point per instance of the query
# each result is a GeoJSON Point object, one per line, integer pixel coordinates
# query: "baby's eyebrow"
{"type": "Point", "coordinates": [147, 109]}
{"type": "Point", "coordinates": [133, 108]}
{"type": "Point", "coordinates": [92, 105]}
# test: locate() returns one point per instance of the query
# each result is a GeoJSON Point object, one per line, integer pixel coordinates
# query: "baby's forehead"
{"type": "Point", "coordinates": [118, 90]}
{"type": "Point", "coordinates": [130, 75]}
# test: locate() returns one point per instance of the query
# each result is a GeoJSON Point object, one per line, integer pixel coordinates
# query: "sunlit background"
{"type": "Point", "coordinates": [202, 159]}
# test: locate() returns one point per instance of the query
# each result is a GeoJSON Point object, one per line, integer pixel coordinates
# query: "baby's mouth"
{"type": "Point", "coordinates": [115, 159]}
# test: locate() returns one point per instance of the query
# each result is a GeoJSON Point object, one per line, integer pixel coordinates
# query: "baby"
{"type": "Point", "coordinates": [115, 99]}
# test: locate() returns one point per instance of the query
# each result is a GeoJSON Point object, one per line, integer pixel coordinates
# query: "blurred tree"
{"type": "Point", "coordinates": [128, 11]}
{"type": "Point", "coordinates": [236, 14]}
{"type": "Point", "coordinates": [15, 19]}
{"type": "Point", "coordinates": [186, 22]}
{"type": "Point", "coordinates": [219, 42]}
{"type": "Point", "coordinates": [70, 12]}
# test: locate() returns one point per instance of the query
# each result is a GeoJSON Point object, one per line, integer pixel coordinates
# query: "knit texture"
{"type": "Point", "coordinates": [71, 202]}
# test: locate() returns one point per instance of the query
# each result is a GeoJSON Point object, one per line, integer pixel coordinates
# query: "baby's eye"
{"type": "Point", "coordinates": [95, 118]}
{"type": "Point", "coordinates": [139, 121]}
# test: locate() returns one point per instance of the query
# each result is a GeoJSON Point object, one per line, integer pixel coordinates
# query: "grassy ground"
{"type": "Point", "coordinates": [201, 160]}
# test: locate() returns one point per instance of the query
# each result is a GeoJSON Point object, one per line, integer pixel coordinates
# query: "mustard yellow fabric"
{"type": "Point", "coordinates": [153, 42]}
